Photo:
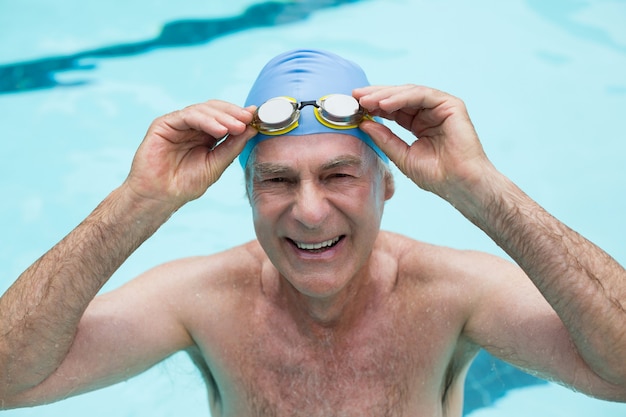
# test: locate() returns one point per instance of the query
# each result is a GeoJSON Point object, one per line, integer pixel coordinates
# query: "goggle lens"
{"type": "Point", "coordinates": [340, 109]}
{"type": "Point", "coordinates": [277, 111]}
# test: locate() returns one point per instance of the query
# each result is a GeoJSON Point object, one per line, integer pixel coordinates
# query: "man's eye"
{"type": "Point", "coordinates": [340, 175]}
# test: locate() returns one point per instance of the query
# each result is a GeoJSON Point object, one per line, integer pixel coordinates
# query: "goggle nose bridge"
{"type": "Point", "coordinates": [308, 103]}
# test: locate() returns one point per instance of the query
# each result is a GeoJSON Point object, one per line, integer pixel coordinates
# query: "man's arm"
{"type": "Point", "coordinates": [40, 314]}
{"type": "Point", "coordinates": [41, 311]}
{"type": "Point", "coordinates": [584, 285]}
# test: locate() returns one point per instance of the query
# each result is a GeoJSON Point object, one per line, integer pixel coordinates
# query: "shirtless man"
{"type": "Point", "coordinates": [324, 315]}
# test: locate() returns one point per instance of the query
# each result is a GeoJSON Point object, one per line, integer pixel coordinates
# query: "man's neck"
{"type": "Point", "coordinates": [327, 317]}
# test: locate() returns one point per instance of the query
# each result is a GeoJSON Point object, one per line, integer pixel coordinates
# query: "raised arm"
{"type": "Point", "coordinates": [40, 313]}
{"type": "Point", "coordinates": [584, 285]}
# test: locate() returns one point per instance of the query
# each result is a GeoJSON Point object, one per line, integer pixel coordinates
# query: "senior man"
{"type": "Point", "coordinates": [324, 314]}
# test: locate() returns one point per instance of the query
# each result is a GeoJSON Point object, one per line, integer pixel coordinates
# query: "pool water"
{"type": "Point", "coordinates": [545, 83]}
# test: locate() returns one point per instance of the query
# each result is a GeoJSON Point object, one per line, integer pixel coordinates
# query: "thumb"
{"type": "Point", "coordinates": [394, 147]}
{"type": "Point", "coordinates": [226, 152]}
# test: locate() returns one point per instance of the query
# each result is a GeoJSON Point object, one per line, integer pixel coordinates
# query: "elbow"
{"type": "Point", "coordinates": [12, 397]}
{"type": "Point", "coordinates": [615, 393]}
{"type": "Point", "coordinates": [10, 401]}
{"type": "Point", "coordinates": [7, 403]}
{"type": "Point", "coordinates": [613, 385]}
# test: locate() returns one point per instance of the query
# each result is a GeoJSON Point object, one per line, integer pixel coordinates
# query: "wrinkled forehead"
{"type": "Point", "coordinates": [312, 151]}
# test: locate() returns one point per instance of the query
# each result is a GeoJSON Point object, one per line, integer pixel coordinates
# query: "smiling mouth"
{"type": "Point", "coordinates": [318, 247]}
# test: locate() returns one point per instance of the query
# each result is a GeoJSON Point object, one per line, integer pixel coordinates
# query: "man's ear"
{"type": "Point", "coordinates": [390, 186]}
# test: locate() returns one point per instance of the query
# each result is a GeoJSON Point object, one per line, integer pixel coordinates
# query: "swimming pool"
{"type": "Point", "coordinates": [544, 82]}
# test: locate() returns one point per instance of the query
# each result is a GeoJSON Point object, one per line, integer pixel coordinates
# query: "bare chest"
{"type": "Point", "coordinates": [388, 366]}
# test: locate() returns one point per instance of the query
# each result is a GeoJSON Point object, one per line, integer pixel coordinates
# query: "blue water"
{"type": "Point", "coordinates": [545, 83]}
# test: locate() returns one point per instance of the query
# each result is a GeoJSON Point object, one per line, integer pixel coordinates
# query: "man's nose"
{"type": "Point", "coordinates": [311, 206]}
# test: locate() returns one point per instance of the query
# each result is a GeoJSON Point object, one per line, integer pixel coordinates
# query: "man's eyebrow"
{"type": "Point", "coordinates": [342, 161]}
{"type": "Point", "coordinates": [272, 168]}
{"type": "Point", "coordinates": [269, 168]}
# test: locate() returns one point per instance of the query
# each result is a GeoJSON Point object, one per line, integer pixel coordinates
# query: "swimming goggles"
{"type": "Point", "coordinates": [280, 115]}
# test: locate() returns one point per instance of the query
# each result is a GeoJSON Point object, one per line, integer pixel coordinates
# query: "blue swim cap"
{"type": "Point", "coordinates": [307, 75]}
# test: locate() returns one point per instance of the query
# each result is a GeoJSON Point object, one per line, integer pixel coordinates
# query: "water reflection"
{"type": "Point", "coordinates": [40, 74]}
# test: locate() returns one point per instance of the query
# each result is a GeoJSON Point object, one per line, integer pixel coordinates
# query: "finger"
{"type": "Point", "coordinates": [221, 118]}
{"type": "Point", "coordinates": [216, 118]}
{"type": "Point", "coordinates": [373, 98]}
{"type": "Point", "coordinates": [367, 90]}
{"type": "Point", "coordinates": [421, 110]}
{"type": "Point", "coordinates": [394, 147]}
{"type": "Point", "coordinates": [409, 97]}
{"type": "Point", "coordinates": [226, 152]}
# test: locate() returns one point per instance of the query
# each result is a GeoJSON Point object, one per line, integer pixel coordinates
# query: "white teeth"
{"type": "Point", "coordinates": [314, 246]}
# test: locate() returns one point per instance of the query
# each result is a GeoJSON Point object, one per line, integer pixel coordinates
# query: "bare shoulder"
{"type": "Point", "coordinates": [208, 275]}
{"type": "Point", "coordinates": [421, 260]}
{"type": "Point", "coordinates": [198, 289]}
{"type": "Point", "coordinates": [236, 264]}
{"type": "Point", "coordinates": [465, 281]}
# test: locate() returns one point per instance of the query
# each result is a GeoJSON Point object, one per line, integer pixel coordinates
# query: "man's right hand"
{"type": "Point", "coordinates": [181, 155]}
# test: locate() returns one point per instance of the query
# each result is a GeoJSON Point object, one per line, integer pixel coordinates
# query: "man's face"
{"type": "Point", "coordinates": [317, 203]}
